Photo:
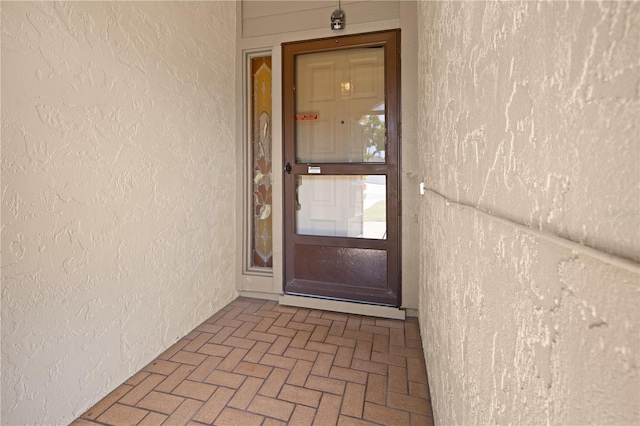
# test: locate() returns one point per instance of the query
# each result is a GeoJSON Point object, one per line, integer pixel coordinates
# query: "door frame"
{"type": "Point", "coordinates": [392, 296]}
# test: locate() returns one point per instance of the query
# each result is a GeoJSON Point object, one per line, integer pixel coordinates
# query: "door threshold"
{"type": "Point", "coordinates": [344, 307]}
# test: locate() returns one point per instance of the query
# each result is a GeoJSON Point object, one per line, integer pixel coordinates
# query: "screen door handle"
{"type": "Point", "coordinates": [287, 168]}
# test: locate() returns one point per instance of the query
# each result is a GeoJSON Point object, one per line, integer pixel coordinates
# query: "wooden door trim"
{"type": "Point", "coordinates": [340, 241]}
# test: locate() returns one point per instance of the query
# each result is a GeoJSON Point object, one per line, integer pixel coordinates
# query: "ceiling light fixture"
{"type": "Point", "coordinates": [338, 18]}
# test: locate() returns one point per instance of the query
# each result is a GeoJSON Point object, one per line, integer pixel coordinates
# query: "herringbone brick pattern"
{"type": "Point", "coordinates": [258, 363]}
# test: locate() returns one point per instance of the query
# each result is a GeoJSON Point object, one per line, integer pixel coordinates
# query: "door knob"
{"type": "Point", "coordinates": [287, 168]}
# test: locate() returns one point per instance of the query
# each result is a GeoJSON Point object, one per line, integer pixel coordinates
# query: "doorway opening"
{"type": "Point", "coordinates": [341, 133]}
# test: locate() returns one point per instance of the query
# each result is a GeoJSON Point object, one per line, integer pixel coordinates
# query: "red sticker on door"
{"type": "Point", "coordinates": [304, 117]}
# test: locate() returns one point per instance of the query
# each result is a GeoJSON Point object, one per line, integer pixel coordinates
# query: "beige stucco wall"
{"type": "Point", "coordinates": [530, 226]}
{"type": "Point", "coordinates": [118, 126]}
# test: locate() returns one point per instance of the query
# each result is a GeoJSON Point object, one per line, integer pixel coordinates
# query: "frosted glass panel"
{"type": "Point", "coordinates": [339, 106]}
{"type": "Point", "coordinates": [342, 206]}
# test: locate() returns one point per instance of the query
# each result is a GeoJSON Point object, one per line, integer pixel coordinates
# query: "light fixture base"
{"type": "Point", "coordinates": [337, 19]}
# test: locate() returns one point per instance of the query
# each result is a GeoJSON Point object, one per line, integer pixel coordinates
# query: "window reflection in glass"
{"type": "Point", "coordinates": [342, 206]}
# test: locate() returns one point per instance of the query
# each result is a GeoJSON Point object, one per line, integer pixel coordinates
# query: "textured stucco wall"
{"type": "Point", "coordinates": [118, 194]}
{"type": "Point", "coordinates": [530, 150]}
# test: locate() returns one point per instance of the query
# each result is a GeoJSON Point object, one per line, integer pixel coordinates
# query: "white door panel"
{"type": "Point", "coordinates": [341, 87]}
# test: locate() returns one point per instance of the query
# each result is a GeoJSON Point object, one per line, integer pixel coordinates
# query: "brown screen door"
{"type": "Point", "coordinates": [341, 179]}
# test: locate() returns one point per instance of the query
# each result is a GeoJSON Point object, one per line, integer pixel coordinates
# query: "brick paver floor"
{"type": "Point", "coordinates": [258, 363]}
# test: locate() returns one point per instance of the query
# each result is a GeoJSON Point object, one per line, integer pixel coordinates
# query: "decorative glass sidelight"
{"type": "Point", "coordinates": [262, 232]}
